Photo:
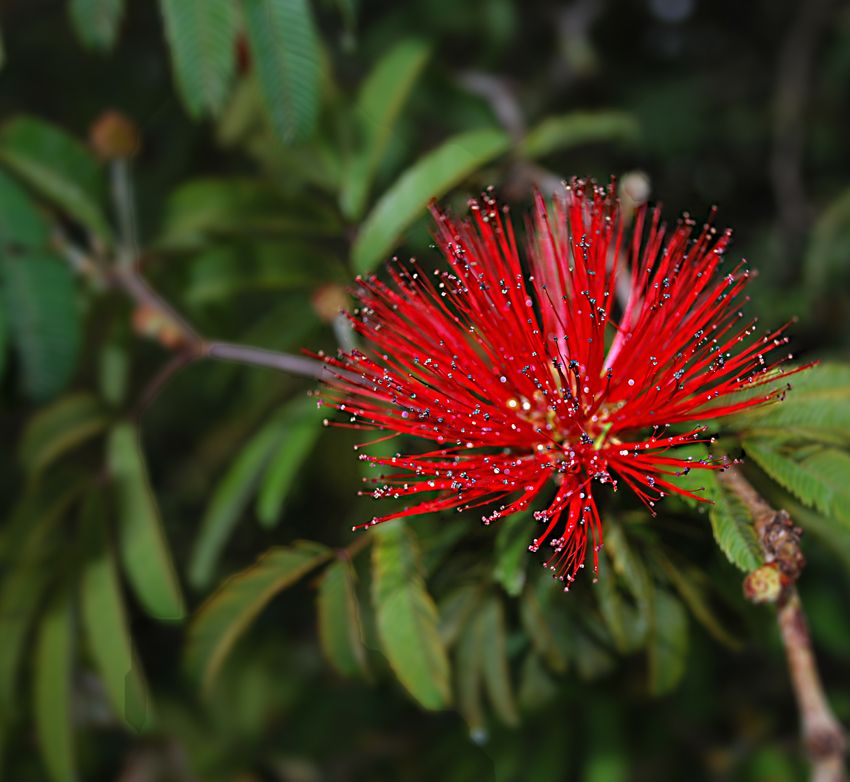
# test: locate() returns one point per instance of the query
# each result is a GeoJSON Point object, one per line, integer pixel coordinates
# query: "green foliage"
{"type": "Point", "coordinates": [284, 42]}
{"type": "Point", "coordinates": [52, 688]}
{"type": "Point", "coordinates": [59, 428]}
{"type": "Point", "coordinates": [433, 175]}
{"type": "Point", "coordinates": [144, 549]}
{"type": "Point", "coordinates": [407, 618]}
{"type": "Point", "coordinates": [379, 103]}
{"type": "Point", "coordinates": [202, 39]}
{"type": "Point", "coordinates": [40, 298]}
{"type": "Point", "coordinates": [57, 167]}
{"type": "Point", "coordinates": [229, 611]}
{"type": "Point", "coordinates": [340, 627]}
{"type": "Point", "coordinates": [576, 128]}
{"type": "Point", "coordinates": [105, 621]}
{"type": "Point", "coordinates": [341, 125]}
{"type": "Point", "coordinates": [96, 22]}
{"type": "Point", "coordinates": [816, 475]}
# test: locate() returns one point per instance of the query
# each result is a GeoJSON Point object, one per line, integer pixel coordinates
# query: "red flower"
{"type": "Point", "coordinates": [566, 373]}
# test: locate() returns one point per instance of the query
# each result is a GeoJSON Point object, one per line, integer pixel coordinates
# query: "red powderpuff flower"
{"type": "Point", "coordinates": [565, 374]}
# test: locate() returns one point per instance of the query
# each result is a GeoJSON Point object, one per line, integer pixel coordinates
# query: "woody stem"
{"type": "Point", "coordinates": [823, 736]}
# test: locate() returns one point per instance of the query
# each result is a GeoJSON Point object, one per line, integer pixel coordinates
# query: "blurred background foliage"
{"type": "Point", "coordinates": [181, 597]}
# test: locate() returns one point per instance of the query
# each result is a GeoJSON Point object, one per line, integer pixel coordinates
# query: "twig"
{"type": "Point", "coordinates": [823, 736]}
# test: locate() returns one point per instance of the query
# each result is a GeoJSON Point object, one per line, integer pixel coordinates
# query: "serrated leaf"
{"type": "Point", "coordinates": [59, 428]}
{"type": "Point", "coordinates": [432, 176]}
{"type": "Point", "coordinates": [731, 524]}
{"type": "Point", "coordinates": [818, 476]}
{"type": "Point", "coordinates": [141, 538]}
{"type": "Point", "coordinates": [40, 300]}
{"type": "Point", "coordinates": [495, 660]}
{"type": "Point", "coordinates": [511, 553]}
{"type": "Point", "coordinates": [733, 531]}
{"type": "Point", "coordinates": [228, 612]}
{"type": "Point", "coordinates": [96, 22]}
{"type": "Point", "coordinates": [668, 643]}
{"type": "Point", "coordinates": [202, 40]}
{"type": "Point", "coordinates": [578, 127]}
{"type": "Point", "coordinates": [340, 630]}
{"type": "Point", "coordinates": [817, 407]}
{"type": "Point", "coordinates": [57, 167]}
{"type": "Point", "coordinates": [105, 621]}
{"type": "Point", "coordinates": [407, 619]}
{"type": "Point", "coordinates": [230, 498]}
{"type": "Point", "coordinates": [379, 102]}
{"type": "Point", "coordinates": [284, 43]}
{"type": "Point", "coordinates": [52, 689]}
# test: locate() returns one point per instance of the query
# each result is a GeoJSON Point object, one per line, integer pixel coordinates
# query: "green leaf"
{"type": "Point", "coordinates": [303, 425]}
{"type": "Point", "coordinates": [540, 631]}
{"type": "Point", "coordinates": [144, 549]}
{"type": "Point", "coordinates": [204, 209]}
{"type": "Point", "coordinates": [52, 690]}
{"type": "Point", "coordinates": [668, 643]}
{"type": "Point", "coordinates": [511, 553]}
{"type": "Point", "coordinates": [731, 524]}
{"type": "Point", "coordinates": [407, 617]}
{"type": "Point", "coordinates": [21, 222]}
{"type": "Point", "coordinates": [229, 611]}
{"type": "Point", "coordinates": [629, 567]}
{"type": "Point", "coordinates": [455, 610]}
{"type": "Point", "coordinates": [105, 621]}
{"type": "Point", "coordinates": [495, 660]}
{"type": "Point", "coordinates": [579, 127]}
{"type": "Point", "coordinates": [379, 103]}
{"type": "Point", "coordinates": [733, 531]}
{"type": "Point", "coordinates": [536, 686]}
{"type": "Point", "coordinates": [59, 428]}
{"type": "Point", "coordinates": [626, 626]}
{"type": "Point", "coordinates": [57, 167]}
{"type": "Point", "coordinates": [202, 39]}
{"type": "Point", "coordinates": [817, 407]}
{"type": "Point", "coordinates": [285, 46]}
{"type": "Point", "coordinates": [469, 678]}
{"type": "Point", "coordinates": [40, 301]}
{"type": "Point", "coordinates": [692, 585]}
{"type": "Point", "coordinates": [96, 22]}
{"type": "Point", "coordinates": [230, 498]}
{"type": "Point", "coordinates": [818, 476]}
{"type": "Point", "coordinates": [340, 629]}
{"type": "Point", "coordinates": [223, 272]}
{"type": "Point", "coordinates": [430, 177]}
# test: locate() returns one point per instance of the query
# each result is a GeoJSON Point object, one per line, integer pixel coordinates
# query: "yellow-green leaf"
{"type": "Point", "coordinates": [432, 176]}
{"type": "Point", "coordinates": [230, 610]}
{"type": "Point", "coordinates": [578, 127]}
{"type": "Point", "coordinates": [59, 428]}
{"type": "Point", "coordinates": [52, 689]}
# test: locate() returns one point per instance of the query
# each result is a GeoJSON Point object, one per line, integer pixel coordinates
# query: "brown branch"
{"type": "Point", "coordinates": [823, 736]}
